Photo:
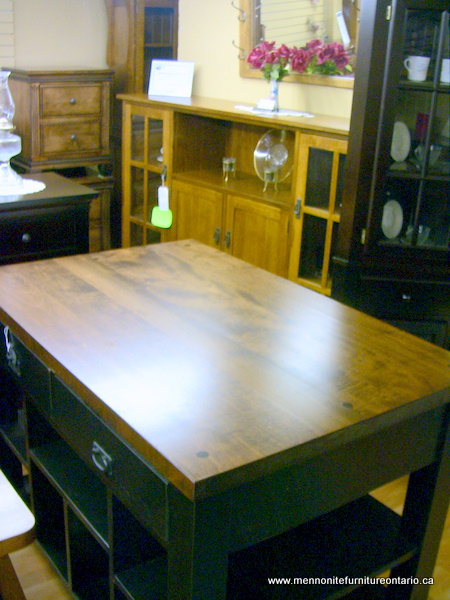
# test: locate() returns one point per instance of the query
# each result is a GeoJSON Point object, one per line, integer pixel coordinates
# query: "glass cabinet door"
{"type": "Point", "coordinates": [147, 151]}
{"type": "Point", "coordinates": [317, 211]}
{"type": "Point", "coordinates": [412, 160]}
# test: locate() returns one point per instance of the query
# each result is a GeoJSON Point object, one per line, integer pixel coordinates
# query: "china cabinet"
{"type": "Point", "coordinates": [392, 259]}
{"type": "Point", "coordinates": [243, 215]}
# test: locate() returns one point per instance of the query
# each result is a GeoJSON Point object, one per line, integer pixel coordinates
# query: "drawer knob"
{"type": "Point", "coordinates": [26, 237]}
{"type": "Point", "coordinates": [73, 101]}
{"type": "Point", "coordinates": [101, 459]}
{"type": "Point", "coordinates": [73, 137]}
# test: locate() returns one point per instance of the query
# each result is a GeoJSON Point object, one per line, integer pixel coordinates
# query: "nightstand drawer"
{"type": "Point", "coordinates": [71, 137]}
{"type": "Point", "coordinates": [134, 481]}
{"type": "Point", "coordinates": [33, 234]}
{"type": "Point", "coordinates": [70, 100]}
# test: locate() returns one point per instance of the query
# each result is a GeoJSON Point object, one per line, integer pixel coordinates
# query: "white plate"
{"type": "Point", "coordinates": [275, 151]}
{"type": "Point", "coordinates": [401, 142]}
{"type": "Point", "coordinates": [392, 221]}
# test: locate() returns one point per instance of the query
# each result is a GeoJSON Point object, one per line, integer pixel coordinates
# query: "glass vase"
{"type": "Point", "coordinates": [273, 96]}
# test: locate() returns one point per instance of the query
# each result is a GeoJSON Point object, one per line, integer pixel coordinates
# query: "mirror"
{"type": "Point", "coordinates": [294, 23]}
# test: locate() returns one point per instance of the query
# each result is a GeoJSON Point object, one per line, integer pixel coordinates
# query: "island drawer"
{"type": "Point", "coordinates": [33, 374]}
{"type": "Point", "coordinates": [132, 479]}
{"type": "Point", "coordinates": [70, 100]}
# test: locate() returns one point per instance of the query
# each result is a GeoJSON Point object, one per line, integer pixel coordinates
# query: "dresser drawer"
{"type": "Point", "coordinates": [71, 137]}
{"type": "Point", "coordinates": [133, 480]}
{"type": "Point", "coordinates": [70, 100]}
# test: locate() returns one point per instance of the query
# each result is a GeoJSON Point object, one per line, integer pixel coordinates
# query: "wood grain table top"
{"type": "Point", "coordinates": [216, 371]}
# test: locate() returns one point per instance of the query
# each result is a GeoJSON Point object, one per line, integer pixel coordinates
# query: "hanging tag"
{"type": "Point", "coordinates": [163, 197]}
{"type": "Point", "coordinates": [161, 214]}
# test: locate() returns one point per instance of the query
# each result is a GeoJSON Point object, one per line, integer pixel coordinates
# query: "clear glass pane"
{"type": "Point", "coordinates": [137, 137]}
{"type": "Point", "coordinates": [153, 182]}
{"type": "Point", "coordinates": [153, 236]}
{"type": "Point", "coordinates": [340, 184]}
{"type": "Point", "coordinates": [313, 246]}
{"type": "Point", "coordinates": [320, 164]}
{"type": "Point", "coordinates": [410, 131]}
{"type": "Point", "coordinates": [136, 235]}
{"type": "Point", "coordinates": [137, 193]}
{"type": "Point", "coordinates": [155, 142]}
{"type": "Point", "coordinates": [398, 212]}
{"type": "Point", "coordinates": [421, 40]}
{"type": "Point", "coordinates": [433, 227]}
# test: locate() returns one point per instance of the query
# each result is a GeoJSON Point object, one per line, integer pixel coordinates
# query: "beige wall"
{"type": "Point", "coordinates": [72, 33]}
{"type": "Point", "coordinates": [207, 30]}
{"type": "Point", "coordinates": [60, 33]}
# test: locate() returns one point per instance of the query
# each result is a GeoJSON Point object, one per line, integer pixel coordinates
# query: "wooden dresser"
{"type": "Point", "coordinates": [63, 119]}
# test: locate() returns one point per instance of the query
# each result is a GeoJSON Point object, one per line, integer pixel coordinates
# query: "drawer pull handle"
{"type": "Point", "coordinates": [73, 101]}
{"type": "Point", "coordinates": [26, 237]}
{"type": "Point", "coordinates": [73, 137]}
{"type": "Point", "coordinates": [101, 459]}
{"type": "Point", "coordinates": [12, 358]}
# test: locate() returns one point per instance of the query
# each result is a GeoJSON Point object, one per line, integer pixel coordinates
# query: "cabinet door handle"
{"type": "Point", "coordinates": [73, 137]}
{"type": "Point", "coordinates": [73, 101]}
{"type": "Point", "coordinates": [227, 239]}
{"type": "Point", "coordinates": [297, 208]}
{"type": "Point", "coordinates": [217, 235]}
{"type": "Point", "coordinates": [102, 459]}
{"type": "Point", "coordinates": [26, 237]}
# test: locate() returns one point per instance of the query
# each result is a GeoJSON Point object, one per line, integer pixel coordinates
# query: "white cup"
{"type": "Point", "coordinates": [417, 67]}
{"type": "Point", "coordinates": [445, 70]}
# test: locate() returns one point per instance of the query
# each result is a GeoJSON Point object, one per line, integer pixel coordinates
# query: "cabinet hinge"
{"type": "Point", "coordinates": [388, 12]}
{"type": "Point", "coordinates": [297, 208]}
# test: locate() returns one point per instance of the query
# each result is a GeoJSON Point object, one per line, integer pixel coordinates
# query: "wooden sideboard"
{"type": "Point", "coordinates": [196, 425]}
{"type": "Point", "coordinates": [288, 229]}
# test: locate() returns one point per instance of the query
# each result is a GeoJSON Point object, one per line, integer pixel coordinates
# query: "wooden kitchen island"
{"type": "Point", "coordinates": [196, 425]}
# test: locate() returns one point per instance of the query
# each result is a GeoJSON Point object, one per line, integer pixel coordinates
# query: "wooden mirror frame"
{"type": "Point", "coordinates": [247, 34]}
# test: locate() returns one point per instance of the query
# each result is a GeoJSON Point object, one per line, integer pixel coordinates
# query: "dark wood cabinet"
{"type": "Point", "coordinates": [48, 223]}
{"type": "Point", "coordinates": [392, 258]}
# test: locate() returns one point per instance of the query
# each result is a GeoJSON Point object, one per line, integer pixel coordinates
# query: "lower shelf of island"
{"type": "Point", "coordinates": [78, 515]}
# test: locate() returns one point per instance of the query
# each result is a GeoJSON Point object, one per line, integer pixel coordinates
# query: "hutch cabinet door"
{"type": "Point", "coordinates": [147, 156]}
{"type": "Point", "coordinates": [409, 196]}
{"type": "Point", "coordinates": [317, 212]}
{"type": "Point", "coordinates": [257, 233]}
{"type": "Point", "coordinates": [197, 213]}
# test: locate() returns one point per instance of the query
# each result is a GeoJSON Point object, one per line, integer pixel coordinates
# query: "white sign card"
{"type": "Point", "coordinates": [171, 78]}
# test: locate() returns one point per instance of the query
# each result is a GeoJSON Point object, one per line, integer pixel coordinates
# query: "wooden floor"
{"type": "Point", "coordinates": [41, 582]}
